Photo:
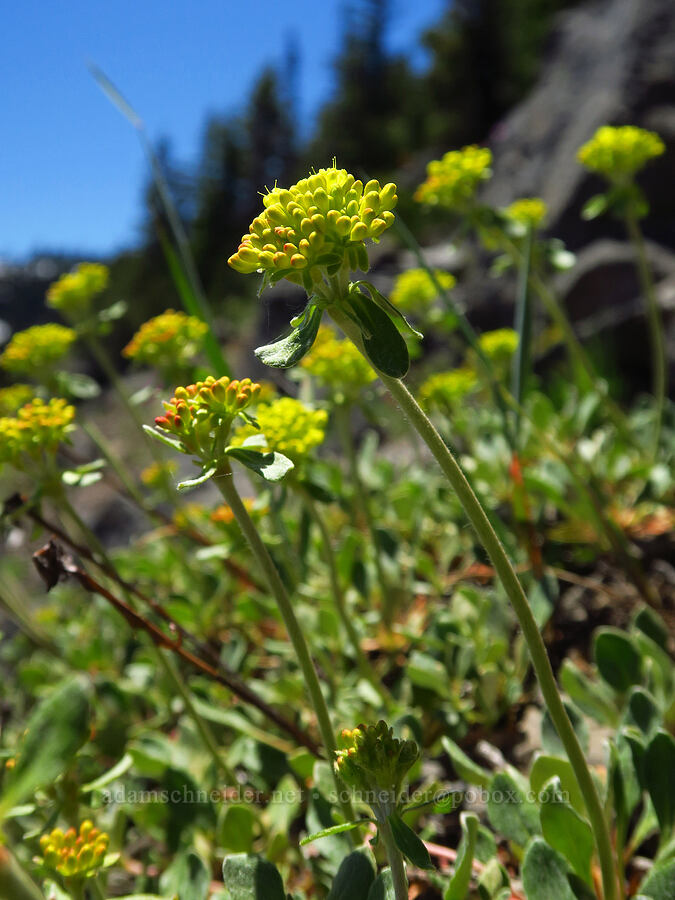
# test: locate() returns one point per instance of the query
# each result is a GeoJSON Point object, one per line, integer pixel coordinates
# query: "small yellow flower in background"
{"type": "Point", "coordinates": [445, 388]}
{"type": "Point", "coordinates": [73, 292]}
{"type": "Point", "coordinates": [156, 473]}
{"type": "Point", "coordinates": [619, 152]}
{"type": "Point", "coordinates": [223, 515]}
{"type": "Point", "coordinates": [316, 227]}
{"type": "Point", "coordinates": [74, 853]}
{"type": "Point", "coordinates": [39, 426]}
{"type": "Point", "coordinates": [15, 396]}
{"type": "Point", "coordinates": [337, 363]}
{"type": "Point", "coordinates": [414, 290]}
{"type": "Point", "coordinates": [528, 211]}
{"type": "Point", "coordinates": [170, 339]}
{"type": "Point", "coordinates": [289, 427]}
{"type": "Point", "coordinates": [499, 345]}
{"type": "Point", "coordinates": [37, 348]}
{"type": "Point", "coordinates": [189, 515]}
{"type": "Point", "coordinates": [453, 180]}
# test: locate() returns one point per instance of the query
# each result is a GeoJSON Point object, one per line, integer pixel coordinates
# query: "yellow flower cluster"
{"type": "Point", "coordinates": [316, 227]}
{"type": "Point", "coordinates": [619, 152]}
{"type": "Point", "coordinates": [336, 362]}
{"type": "Point", "coordinates": [445, 388]}
{"type": "Point", "coordinates": [415, 290]}
{"type": "Point", "coordinates": [499, 345]}
{"type": "Point", "coordinates": [453, 180]}
{"type": "Point", "coordinates": [289, 427]}
{"type": "Point", "coordinates": [74, 853]}
{"type": "Point", "coordinates": [38, 426]}
{"type": "Point", "coordinates": [13, 397]}
{"type": "Point", "coordinates": [172, 338]}
{"type": "Point", "coordinates": [197, 411]}
{"type": "Point", "coordinates": [73, 292]}
{"type": "Point", "coordinates": [529, 211]}
{"type": "Point", "coordinates": [156, 473]}
{"type": "Point", "coordinates": [37, 348]}
{"type": "Point", "coordinates": [372, 758]}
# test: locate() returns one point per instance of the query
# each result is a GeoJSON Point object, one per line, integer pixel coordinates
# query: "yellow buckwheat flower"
{"type": "Point", "coordinates": [619, 152]}
{"type": "Point", "coordinates": [74, 853]}
{"type": "Point", "coordinates": [529, 211]}
{"type": "Point", "coordinates": [73, 292]}
{"type": "Point", "coordinates": [499, 345]}
{"type": "Point", "coordinates": [289, 427]}
{"type": "Point", "coordinates": [445, 388]}
{"type": "Point", "coordinates": [38, 426]}
{"type": "Point", "coordinates": [172, 338]}
{"type": "Point", "coordinates": [37, 348]}
{"type": "Point", "coordinates": [337, 363]}
{"type": "Point", "coordinates": [316, 227]}
{"type": "Point", "coordinates": [415, 291]}
{"type": "Point", "coordinates": [15, 396]}
{"type": "Point", "coordinates": [372, 760]}
{"type": "Point", "coordinates": [453, 180]}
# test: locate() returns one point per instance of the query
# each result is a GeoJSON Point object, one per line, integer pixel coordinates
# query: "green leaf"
{"type": "Point", "coordinates": [387, 306]}
{"type": "Point", "coordinates": [76, 384]}
{"type": "Point", "coordinates": [116, 771]}
{"type": "Point", "coordinates": [187, 878]}
{"type": "Point", "coordinates": [192, 483]}
{"type": "Point", "coordinates": [595, 207]}
{"type": "Point", "coordinates": [272, 466]}
{"type": "Point", "coordinates": [333, 829]}
{"type": "Point", "coordinates": [382, 340]}
{"type": "Point", "coordinates": [545, 874]}
{"type": "Point", "coordinates": [592, 697]}
{"type": "Point", "coordinates": [509, 812]}
{"type": "Point", "coordinates": [410, 845]}
{"type": "Point", "coordinates": [459, 883]}
{"type": "Point", "coordinates": [355, 876]}
{"type": "Point", "coordinates": [617, 658]}
{"type": "Point", "coordinates": [660, 883]}
{"type": "Point", "coordinates": [638, 748]}
{"type": "Point", "coordinates": [115, 311]}
{"type": "Point", "coordinates": [650, 623]}
{"type": "Point", "coordinates": [88, 473]}
{"type": "Point", "coordinates": [643, 711]}
{"type": "Point", "coordinates": [426, 672]}
{"type": "Point", "coordinates": [551, 743]}
{"type": "Point", "coordinates": [465, 767]}
{"type": "Point", "coordinates": [248, 877]}
{"type": "Point", "coordinates": [174, 443]}
{"type": "Point", "coordinates": [547, 767]}
{"type": "Point", "coordinates": [566, 831]}
{"type": "Point", "coordinates": [289, 350]}
{"type": "Point", "coordinates": [383, 887]}
{"type": "Point", "coordinates": [236, 825]}
{"type": "Point", "coordinates": [660, 780]}
{"type": "Point", "coordinates": [56, 730]}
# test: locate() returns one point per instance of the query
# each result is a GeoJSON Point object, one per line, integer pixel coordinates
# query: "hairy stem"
{"type": "Point", "coordinates": [395, 860]}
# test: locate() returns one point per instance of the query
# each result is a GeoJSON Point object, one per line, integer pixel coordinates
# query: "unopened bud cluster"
{"type": "Point", "coordinates": [72, 853]}
{"type": "Point", "coordinates": [337, 363]}
{"type": "Point", "coordinates": [169, 339]}
{"type": "Point", "coordinates": [73, 292]}
{"type": "Point", "coordinates": [289, 427]}
{"type": "Point", "coordinates": [316, 227]}
{"type": "Point", "coordinates": [38, 427]}
{"type": "Point", "coordinates": [195, 412]}
{"type": "Point", "coordinates": [620, 152]}
{"type": "Point", "coordinates": [415, 290]}
{"type": "Point", "coordinates": [37, 348]}
{"type": "Point", "coordinates": [453, 180]}
{"type": "Point", "coordinates": [373, 760]}
{"type": "Point", "coordinates": [528, 211]}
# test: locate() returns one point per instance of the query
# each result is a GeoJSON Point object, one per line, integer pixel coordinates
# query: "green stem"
{"type": "Point", "coordinates": [15, 884]}
{"type": "Point", "coordinates": [205, 732]}
{"type": "Point", "coordinates": [656, 335]}
{"type": "Point", "coordinates": [225, 483]}
{"type": "Point", "coordinates": [363, 665]}
{"type": "Point", "coordinates": [540, 661]}
{"type": "Point", "coordinates": [395, 859]}
{"type": "Point", "coordinates": [96, 888]}
{"type": "Point", "coordinates": [362, 502]}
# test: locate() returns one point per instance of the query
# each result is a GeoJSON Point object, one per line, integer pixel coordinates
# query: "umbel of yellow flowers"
{"type": "Point", "coordinates": [288, 426]}
{"type": "Point", "coordinates": [415, 290]}
{"type": "Point", "coordinates": [38, 427]}
{"type": "Point", "coordinates": [169, 339]}
{"type": "Point", "coordinates": [337, 363]}
{"type": "Point", "coordinates": [74, 853]}
{"type": "Point", "coordinates": [316, 227]}
{"type": "Point", "coordinates": [453, 180]}
{"type": "Point", "coordinates": [618, 152]}
{"type": "Point", "coordinates": [37, 348]}
{"type": "Point", "coordinates": [73, 292]}
{"type": "Point", "coordinates": [528, 211]}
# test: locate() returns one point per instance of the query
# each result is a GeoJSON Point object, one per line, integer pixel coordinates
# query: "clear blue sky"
{"type": "Point", "coordinates": [71, 170]}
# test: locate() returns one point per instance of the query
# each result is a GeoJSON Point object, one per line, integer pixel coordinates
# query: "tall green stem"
{"type": "Point", "coordinates": [364, 667]}
{"type": "Point", "coordinates": [225, 483]}
{"type": "Point", "coordinates": [395, 860]}
{"type": "Point", "coordinates": [540, 661]}
{"type": "Point", "coordinates": [656, 336]}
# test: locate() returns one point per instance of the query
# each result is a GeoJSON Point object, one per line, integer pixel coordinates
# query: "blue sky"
{"type": "Point", "coordinates": [71, 170]}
